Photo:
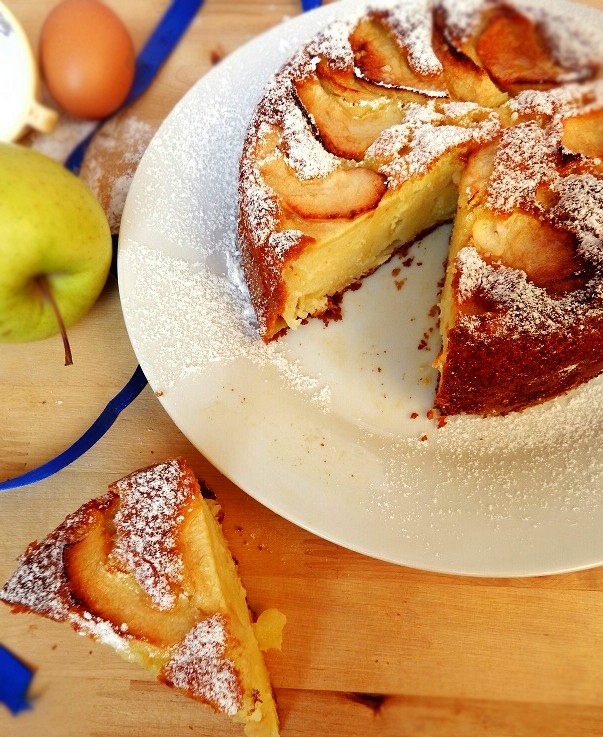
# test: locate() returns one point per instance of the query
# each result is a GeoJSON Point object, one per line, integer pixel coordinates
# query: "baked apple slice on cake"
{"type": "Point", "coordinates": [345, 192]}
{"type": "Point", "coordinates": [147, 570]}
{"type": "Point", "coordinates": [583, 133]}
{"type": "Point", "coordinates": [347, 128]}
{"type": "Point", "coordinates": [383, 56]}
{"type": "Point", "coordinates": [465, 76]}
{"type": "Point", "coordinates": [515, 52]}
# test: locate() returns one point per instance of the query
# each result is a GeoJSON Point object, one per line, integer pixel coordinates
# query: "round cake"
{"type": "Point", "coordinates": [403, 116]}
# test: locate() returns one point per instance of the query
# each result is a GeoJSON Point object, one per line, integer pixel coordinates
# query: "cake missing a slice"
{"type": "Point", "coordinates": [146, 569]}
{"type": "Point", "coordinates": [402, 115]}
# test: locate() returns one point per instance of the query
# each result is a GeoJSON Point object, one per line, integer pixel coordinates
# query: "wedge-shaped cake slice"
{"type": "Point", "coordinates": [147, 570]}
{"type": "Point", "coordinates": [522, 309]}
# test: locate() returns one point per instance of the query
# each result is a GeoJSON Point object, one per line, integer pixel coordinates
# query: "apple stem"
{"type": "Point", "coordinates": [47, 292]}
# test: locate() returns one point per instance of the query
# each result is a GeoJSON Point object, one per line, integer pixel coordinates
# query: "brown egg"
{"type": "Point", "coordinates": [87, 58]}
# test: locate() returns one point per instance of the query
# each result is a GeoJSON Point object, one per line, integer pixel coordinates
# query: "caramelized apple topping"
{"type": "Point", "coordinates": [516, 54]}
{"type": "Point", "coordinates": [545, 253]}
{"type": "Point", "coordinates": [583, 134]}
{"type": "Point", "coordinates": [344, 193]}
{"type": "Point", "coordinates": [465, 78]}
{"type": "Point", "coordinates": [381, 59]}
{"type": "Point", "coordinates": [347, 129]}
{"type": "Point", "coordinates": [39, 584]}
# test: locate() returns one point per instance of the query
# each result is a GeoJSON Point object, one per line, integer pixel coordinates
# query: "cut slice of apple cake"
{"type": "Point", "coordinates": [147, 570]}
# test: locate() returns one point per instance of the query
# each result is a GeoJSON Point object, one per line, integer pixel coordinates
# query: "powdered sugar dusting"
{"type": "Point", "coordinates": [524, 160]}
{"type": "Point", "coordinates": [111, 162]}
{"type": "Point", "coordinates": [146, 528]}
{"type": "Point", "coordinates": [205, 297]}
{"type": "Point", "coordinates": [67, 133]}
{"type": "Point", "coordinates": [39, 584]}
{"type": "Point", "coordinates": [412, 23]}
{"type": "Point", "coordinates": [409, 149]}
{"type": "Point", "coordinates": [580, 210]}
{"type": "Point", "coordinates": [334, 43]}
{"type": "Point", "coordinates": [258, 202]}
{"type": "Point", "coordinates": [564, 101]}
{"type": "Point", "coordinates": [498, 479]}
{"type": "Point", "coordinates": [199, 666]}
{"type": "Point", "coordinates": [524, 306]}
{"type": "Point", "coordinates": [284, 240]}
{"type": "Point", "coordinates": [462, 17]}
{"type": "Point", "coordinates": [304, 153]}
{"type": "Point", "coordinates": [575, 43]}
{"type": "Point", "coordinates": [99, 630]}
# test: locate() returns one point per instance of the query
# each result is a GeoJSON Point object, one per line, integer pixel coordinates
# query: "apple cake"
{"type": "Point", "coordinates": [147, 570]}
{"type": "Point", "coordinates": [404, 115]}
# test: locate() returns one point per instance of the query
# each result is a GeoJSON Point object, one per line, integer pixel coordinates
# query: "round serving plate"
{"type": "Point", "coordinates": [329, 426]}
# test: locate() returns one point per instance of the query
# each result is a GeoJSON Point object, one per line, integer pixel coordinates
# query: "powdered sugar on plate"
{"type": "Point", "coordinates": [205, 298]}
{"type": "Point", "coordinates": [200, 281]}
{"type": "Point", "coordinates": [503, 474]}
{"type": "Point", "coordinates": [505, 496]}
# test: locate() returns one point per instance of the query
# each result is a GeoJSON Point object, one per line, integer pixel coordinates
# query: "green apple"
{"type": "Point", "coordinates": [55, 247]}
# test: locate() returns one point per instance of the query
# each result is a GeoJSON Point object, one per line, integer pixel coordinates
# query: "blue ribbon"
{"type": "Point", "coordinates": [98, 428]}
{"type": "Point", "coordinates": [310, 4]}
{"type": "Point", "coordinates": [15, 678]}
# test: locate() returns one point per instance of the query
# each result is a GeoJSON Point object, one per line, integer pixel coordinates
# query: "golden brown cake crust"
{"type": "Point", "coordinates": [529, 322]}
{"type": "Point", "coordinates": [486, 374]}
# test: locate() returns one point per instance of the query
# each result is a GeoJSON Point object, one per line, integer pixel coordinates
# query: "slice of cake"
{"type": "Point", "coordinates": [147, 570]}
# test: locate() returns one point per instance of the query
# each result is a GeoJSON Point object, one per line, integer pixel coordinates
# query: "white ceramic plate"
{"type": "Point", "coordinates": [319, 425]}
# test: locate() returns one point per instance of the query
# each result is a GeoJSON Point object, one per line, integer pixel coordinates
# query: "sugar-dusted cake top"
{"type": "Point", "coordinates": [151, 509]}
{"type": "Point", "coordinates": [391, 89]}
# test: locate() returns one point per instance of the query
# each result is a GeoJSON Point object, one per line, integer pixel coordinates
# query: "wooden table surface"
{"type": "Point", "coordinates": [370, 648]}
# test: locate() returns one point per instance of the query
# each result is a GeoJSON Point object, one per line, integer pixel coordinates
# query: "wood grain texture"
{"type": "Point", "coordinates": [370, 649]}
